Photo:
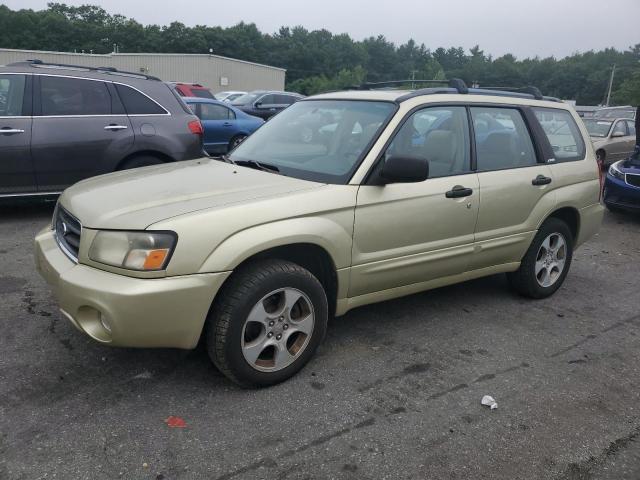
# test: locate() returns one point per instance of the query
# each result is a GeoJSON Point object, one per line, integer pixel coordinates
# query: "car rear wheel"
{"type": "Point", "coordinates": [547, 261]}
{"type": "Point", "coordinates": [235, 141]}
{"type": "Point", "coordinates": [267, 322]}
{"type": "Point", "coordinates": [140, 161]}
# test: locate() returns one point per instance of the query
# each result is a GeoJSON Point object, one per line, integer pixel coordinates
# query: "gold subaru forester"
{"type": "Point", "coordinates": [341, 200]}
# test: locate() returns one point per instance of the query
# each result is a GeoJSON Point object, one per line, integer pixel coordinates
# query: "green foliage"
{"type": "Point", "coordinates": [318, 60]}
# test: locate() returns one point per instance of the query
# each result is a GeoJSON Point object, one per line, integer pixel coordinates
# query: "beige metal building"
{"type": "Point", "coordinates": [216, 72]}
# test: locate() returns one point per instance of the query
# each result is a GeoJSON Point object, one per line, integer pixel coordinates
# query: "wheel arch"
{"type": "Point", "coordinates": [144, 153]}
{"type": "Point", "coordinates": [570, 216]}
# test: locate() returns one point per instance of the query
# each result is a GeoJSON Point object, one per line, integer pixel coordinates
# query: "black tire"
{"type": "Point", "coordinates": [140, 161]}
{"type": "Point", "coordinates": [226, 322]}
{"type": "Point", "coordinates": [524, 280]}
{"type": "Point", "coordinates": [235, 141]}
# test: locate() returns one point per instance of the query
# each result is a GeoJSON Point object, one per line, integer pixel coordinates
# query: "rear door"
{"type": "Point", "coordinates": [631, 138]}
{"type": "Point", "coordinates": [16, 166]}
{"type": "Point", "coordinates": [515, 185]}
{"type": "Point", "coordinates": [219, 123]}
{"type": "Point", "coordinates": [80, 129]}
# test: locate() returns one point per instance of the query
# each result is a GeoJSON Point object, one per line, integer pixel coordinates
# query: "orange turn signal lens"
{"type": "Point", "coordinates": [155, 259]}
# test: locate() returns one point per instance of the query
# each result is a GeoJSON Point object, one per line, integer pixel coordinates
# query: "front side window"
{"type": "Point", "coordinates": [439, 134]}
{"type": "Point", "coordinates": [502, 139]}
{"type": "Point", "coordinates": [620, 129]}
{"type": "Point", "coordinates": [319, 140]}
{"type": "Point", "coordinates": [268, 100]}
{"type": "Point", "coordinates": [210, 111]}
{"type": "Point", "coordinates": [11, 95]}
{"type": "Point", "coordinates": [632, 127]}
{"type": "Point", "coordinates": [563, 133]}
{"type": "Point", "coordinates": [74, 96]}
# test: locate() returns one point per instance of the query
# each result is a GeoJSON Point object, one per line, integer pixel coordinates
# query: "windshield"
{"type": "Point", "coordinates": [319, 140]}
{"type": "Point", "coordinates": [246, 98]}
{"type": "Point", "coordinates": [598, 128]}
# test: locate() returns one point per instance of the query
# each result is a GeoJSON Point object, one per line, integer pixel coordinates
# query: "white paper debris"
{"type": "Point", "coordinates": [489, 401]}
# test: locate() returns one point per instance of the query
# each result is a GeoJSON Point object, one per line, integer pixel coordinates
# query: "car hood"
{"type": "Point", "coordinates": [135, 199]}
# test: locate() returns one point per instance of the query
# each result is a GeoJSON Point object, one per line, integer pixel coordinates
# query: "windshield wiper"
{"type": "Point", "coordinates": [265, 167]}
{"type": "Point", "coordinates": [227, 159]}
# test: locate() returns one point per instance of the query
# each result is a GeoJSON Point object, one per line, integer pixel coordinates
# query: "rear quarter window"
{"type": "Point", "coordinates": [136, 103]}
{"type": "Point", "coordinates": [562, 132]}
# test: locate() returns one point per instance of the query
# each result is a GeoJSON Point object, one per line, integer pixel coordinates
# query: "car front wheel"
{"type": "Point", "coordinates": [547, 261]}
{"type": "Point", "coordinates": [267, 322]}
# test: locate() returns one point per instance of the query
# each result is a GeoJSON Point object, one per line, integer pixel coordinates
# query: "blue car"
{"type": "Point", "coordinates": [225, 126]}
{"type": "Point", "coordinates": [622, 186]}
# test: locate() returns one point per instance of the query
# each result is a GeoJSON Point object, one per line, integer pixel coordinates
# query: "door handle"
{"type": "Point", "coordinates": [541, 180]}
{"type": "Point", "coordinates": [227, 124]}
{"type": "Point", "coordinates": [8, 130]}
{"type": "Point", "coordinates": [115, 127]}
{"type": "Point", "coordinates": [459, 191]}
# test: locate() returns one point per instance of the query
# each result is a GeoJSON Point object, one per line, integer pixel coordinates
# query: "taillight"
{"type": "Point", "coordinates": [195, 127]}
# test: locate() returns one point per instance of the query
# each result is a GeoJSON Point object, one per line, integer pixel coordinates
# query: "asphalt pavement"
{"type": "Point", "coordinates": [394, 392]}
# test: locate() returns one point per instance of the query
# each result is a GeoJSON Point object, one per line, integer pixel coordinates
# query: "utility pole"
{"type": "Point", "coordinates": [413, 77]}
{"type": "Point", "coordinates": [613, 72]}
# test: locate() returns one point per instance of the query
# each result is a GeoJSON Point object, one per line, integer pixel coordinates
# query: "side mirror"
{"type": "Point", "coordinates": [405, 169]}
{"type": "Point", "coordinates": [257, 104]}
{"type": "Point", "coordinates": [617, 134]}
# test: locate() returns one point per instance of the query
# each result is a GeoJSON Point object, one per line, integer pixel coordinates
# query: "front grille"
{"type": "Point", "coordinates": [67, 231]}
{"type": "Point", "coordinates": [633, 179]}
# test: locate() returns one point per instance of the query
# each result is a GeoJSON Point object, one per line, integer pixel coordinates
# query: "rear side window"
{"type": "Point", "coordinates": [210, 111]}
{"type": "Point", "coordinates": [502, 139]}
{"type": "Point", "coordinates": [202, 93]}
{"type": "Point", "coordinates": [562, 132]}
{"type": "Point", "coordinates": [620, 128]}
{"type": "Point", "coordinates": [74, 96]}
{"type": "Point", "coordinates": [632, 127]}
{"type": "Point", "coordinates": [136, 103]}
{"type": "Point", "coordinates": [11, 95]}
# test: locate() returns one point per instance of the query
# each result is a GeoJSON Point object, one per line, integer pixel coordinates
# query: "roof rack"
{"type": "Point", "coordinates": [530, 89]}
{"type": "Point", "coordinates": [108, 70]}
{"type": "Point", "coordinates": [454, 87]}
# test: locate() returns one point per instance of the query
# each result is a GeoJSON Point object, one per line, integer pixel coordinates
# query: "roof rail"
{"type": "Point", "coordinates": [455, 83]}
{"type": "Point", "coordinates": [109, 70]}
{"type": "Point", "coordinates": [530, 89]}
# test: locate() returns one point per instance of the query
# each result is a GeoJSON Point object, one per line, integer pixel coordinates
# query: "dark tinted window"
{"type": "Point", "coordinates": [268, 100]}
{"type": "Point", "coordinates": [210, 111]}
{"type": "Point", "coordinates": [201, 93]}
{"type": "Point", "coordinates": [285, 99]}
{"type": "Point", "coordinates": [136, 103]}
{"type": "Point", "coordinates": [502, 139]}
{"type": "Point", "coordinates": [74, 96]}
{"type": "Point", "coordinates": [11, 95]}
{"type": "Point", "coordinates": [439, 134]}
{"type": "Point", "coordinates": [563, 133]}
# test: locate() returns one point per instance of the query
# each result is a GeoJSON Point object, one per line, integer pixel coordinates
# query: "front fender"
{"type": "Point", "coordinates": [333, 233]}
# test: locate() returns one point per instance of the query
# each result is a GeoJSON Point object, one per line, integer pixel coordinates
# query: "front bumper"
{"type": "Point", "coordinates": [124, 311]}
{"type": "Point", "coordinates": [618, 193]}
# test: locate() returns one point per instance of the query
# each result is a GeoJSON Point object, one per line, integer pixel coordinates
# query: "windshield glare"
{"type": "Point", "coordinates": [319, 140]}
{"type": "Point", "coordinates": [245, 99]}
{"type": "Point", "coordinates": [598, 128]}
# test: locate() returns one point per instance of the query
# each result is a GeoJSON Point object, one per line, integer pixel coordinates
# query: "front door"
{"type": "Point", "coordinates": [16, 166]}
{"type": "Point", "coordinates": [408, 233]}
{"type": "Point", "coordinates": [220, 125]}
{"type": "Point", "coordinates": [79, 130]}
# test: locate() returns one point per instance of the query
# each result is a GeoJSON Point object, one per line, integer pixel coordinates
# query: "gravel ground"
{"type": "Point", "coordinates": [394, 392]}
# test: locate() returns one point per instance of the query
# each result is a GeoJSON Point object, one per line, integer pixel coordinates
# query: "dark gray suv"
{"type": "Point", "coordinates": [62, 123]}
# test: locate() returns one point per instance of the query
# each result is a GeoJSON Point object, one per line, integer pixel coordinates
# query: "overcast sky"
{"type": "Point", "coordinates": [524, 28]}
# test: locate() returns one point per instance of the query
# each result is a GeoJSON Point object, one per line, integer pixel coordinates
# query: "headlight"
{"type": "Point", "coordinates": [615, 173]}
{"type": "Point", "coordinates": [133, 250]}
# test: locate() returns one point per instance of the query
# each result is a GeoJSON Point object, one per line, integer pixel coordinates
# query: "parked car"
{"type": "Point", "coordinates": [229, 96]}
{"type": "Point", "coordinates": [265, 104]}
{"type": "Point", "coordinates": [256, 250]}
{"type": "Point", "coordinates": [626, 111]}
{"type": "Point", "coordinates": [60, 124]}
{"type": "Point", "coordinates": [225, 126]}
{"type": "Point", "coordinates": [613, 139]}
{"type": "Point", "coordinates": [192, 90]}
{"type": "Point", "coordinates": [622, 186]}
